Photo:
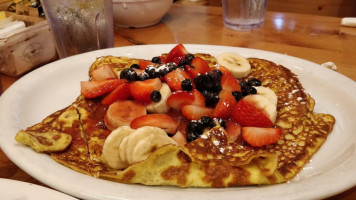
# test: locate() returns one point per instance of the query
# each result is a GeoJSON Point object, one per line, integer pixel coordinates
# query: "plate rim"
{"type": "Point", "coordinates": [45, 68]}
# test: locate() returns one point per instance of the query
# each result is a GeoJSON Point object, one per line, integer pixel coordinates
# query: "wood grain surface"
{"type": "Point", "coordinates": [315, 38]}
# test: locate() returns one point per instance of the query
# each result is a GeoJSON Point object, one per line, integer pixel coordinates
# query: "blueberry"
{"type": "Point", "coordinates": [254, 82]}
{"type": "Point", "coordinates": [151, 71]}
{"type": "Point", "coordinates": [155, 96]}
{"type": "Point", "coordinates": [204, 82]}
{"type": "Point", "coordinates": [211, 99]}
{"type": "Point", "coordinates": [243, 84]}
{"type": "Point", "coordinates": [182, 63]}
{"type": "Point", "coordinates": [187, 85]}
{"type": "Point", "coordinates": [216, 75]}
{"type": "Point", "coordinates": [221, 122]}
{"type": "Point", "coordinates": [195, 129]}
{"type": "Point", "coordinates": [248, 90]}
{"type": "Point", "coordinates": [156, 60]}
{"type": "Point", "coordinates": [251, 90]}
{"type": "Point", "coordinates": [172, 66]}
{"type": "Point", "coordinates": [189, 57]}
{"type": "Point", "coordinates": [238, 95]}
{"type": "Point", "coordinates": [216, 87]}
{"type": "Point", "coordinates": [129, 74]}
{"type": "Point", "coordinates": [135, 66]}
{"type": "Point", "coordinates": [163, 71]}
{"type": "Point", "coordinates": [143, 76]}
{"type": "Point", "coordinates": [123, 73]}
{"type": "Point", "coordinates": [207, 121]}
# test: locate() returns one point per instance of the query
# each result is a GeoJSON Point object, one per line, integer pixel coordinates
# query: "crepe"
{"type": "Point", "coordinates": [210, 161]}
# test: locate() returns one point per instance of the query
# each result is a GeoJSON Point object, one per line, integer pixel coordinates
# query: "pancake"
{"type": "Point", "coordinates": [212, 160]}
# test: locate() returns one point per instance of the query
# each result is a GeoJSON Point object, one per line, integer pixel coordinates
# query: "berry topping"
{"type": "Point", "coordinates": [171, 66]}
{"type": "Point", "coordinates": [187, 85]}
{"type": "Point", "coordinates": [191, 72]}
{"type": "Point", "coordinates": [189, 57]}
{"type": "Point", "coordinates": [174, 79]}
{"type": "Point", "coordinates": [102, 73]}
{"type": "Point", "coordinates": [237, 95]}
{"type": "Point", "coordinates": [135, 66]}
{"type": "Point", "coordinates": [207, 121]}
{"type": "Point", "coordinates": [129, 74]}
{"type": "Point", "coordinates": [156, 96]}
{"type": "Point", "coordinates": [246, 114]}
{"type": "Point", "coordinates": [216, 74]}
{"type": "Point", "coordinates": [156, 60]}
{"type": "Point", "coordinates": [122, 92]}
{"type": "Point", "coordinates": [195, 129]}
{"type": "Point", "coordinates": [200, 65]}
{"type": "Point", "coordinates": [225, 105]}
{"type": "Point", "coordinates": [194, 112]}
{"type": "Point", "coordinates": [176, 54]}
{"type": "Point", "coordinates": [229, 83]}
{"type": "Point", "coordinates": [259, 137]}
{"type": "Point", "coordinates": [141, 90]}
{"type": "Point", "coordinates": [152, 72]}
{"type": "Point", "coordinates": [178, 99]}
{"type": "Point", "coordinates": [162, 121]}
{"type": "Point", "coordinates": [145, 63]}
{"type": "Point", "coordinates": [92, 89]}
{"type": "Point", "coordinates": [211, 98]}
{"type": "Point", "coordinates": [254, 82]}
{"type": "Point", "coordinates": [233, 130]}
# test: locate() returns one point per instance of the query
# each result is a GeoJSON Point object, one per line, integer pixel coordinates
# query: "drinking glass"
{"type": "Point", "coordinates": [80, 26]}
{"type": "Point", "coordinates": [244, 15]}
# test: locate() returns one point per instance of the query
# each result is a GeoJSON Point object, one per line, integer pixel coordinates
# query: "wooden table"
{"type": "Point", "coordinates": [315, 38]}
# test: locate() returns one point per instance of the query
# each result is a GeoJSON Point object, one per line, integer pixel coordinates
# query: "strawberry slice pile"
{"type": "Point", "coordinates": [202, 95]}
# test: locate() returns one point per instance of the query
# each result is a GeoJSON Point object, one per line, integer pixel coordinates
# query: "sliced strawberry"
{"type": "Point", "coordinates": [199, 99]}
{"type": "Point", "coordinates": [181, 98]}
{"type": "Point", "coordinates": [259, 137]}
{"type": "Point", "coordinates": [122, 92]}
{"type": "Point", "coordinates": [180, 139]}
{"type": "Point", "coordinates": [176, 54]}
{"type": "Point", "coordinates": [191, 72]}
{"type": "Point", "coordinates": [103, 73]}
{"type": "Point", "coordinates": [246, 114]}
{"type": "Point", "coordinates": [194, 112]}
{"type": "Point", "coordinates": [229, 83]}
{"type": "Point", "coordinates": [233, 130]}
{"type": "Point", "coordinates": [162, 121]}
{"type": "Point", "coordinates": [93, 89]}
{"type": "Point", "coordinates": [200, 65]}
{"type": "Point", "coordinates": [174, 79]}
{"type": "Point", "coordinates": [224, 106]}
{"type": "Point", "coordinates": [141, 90]}
{"type": "Point", "coordinates": [144, 63]}
{"type": "Point", "coordinates": [163, 59]}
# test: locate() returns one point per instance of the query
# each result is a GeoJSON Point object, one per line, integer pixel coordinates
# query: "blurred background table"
{"type": "Point", "coordinates": [315, 38]}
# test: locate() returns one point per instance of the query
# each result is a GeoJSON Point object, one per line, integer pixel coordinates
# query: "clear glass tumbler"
{"type": "Point", "coordinates": [80, 26]}
{"type": "Point", "coordinates": [244, 15]}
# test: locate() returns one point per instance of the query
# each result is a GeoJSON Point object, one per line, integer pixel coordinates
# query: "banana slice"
{"type": "Point", "coordinates": [121, 113]}
{"type": "Point", "coordinates": [161, 106]}
{"type": "Point", "coordinates": [237, 64]}
{"type": "Point", "coordinates": [140, 144]}
{"type": "Point", "coordinates": [264, 104]}
{"type": "Point", "coordinates": [268, 93]}
{"type": "Point", "coordinates": [110, 154]}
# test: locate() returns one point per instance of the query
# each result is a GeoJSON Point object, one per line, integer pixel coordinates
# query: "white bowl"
{"type": "Point", "coordinates": [139, 13]}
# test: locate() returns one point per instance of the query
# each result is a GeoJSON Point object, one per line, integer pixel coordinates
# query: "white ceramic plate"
{"type": "Point", "coordinates": [56, 85]}
{"type": "Point", "coordinates": [17, 190]}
